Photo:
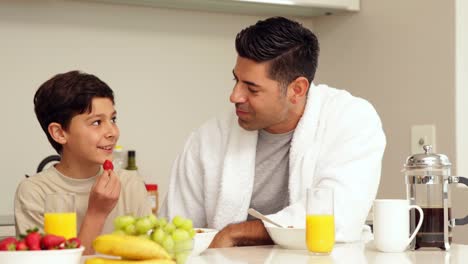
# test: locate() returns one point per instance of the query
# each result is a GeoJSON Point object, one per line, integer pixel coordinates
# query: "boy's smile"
{"type": "Point", "coordinates": [108, 148]}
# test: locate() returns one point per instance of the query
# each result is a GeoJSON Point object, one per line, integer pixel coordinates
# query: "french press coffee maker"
{"type": "Point", "coordinates": [428, 182]}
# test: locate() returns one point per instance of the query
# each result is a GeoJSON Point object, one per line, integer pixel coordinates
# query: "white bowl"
{"type": "Point", "coordinates": [203, 240]}
{"type": "Point", "coordinates": [290, 238]}
{"type": "Point", "coordinates": [56, 256]}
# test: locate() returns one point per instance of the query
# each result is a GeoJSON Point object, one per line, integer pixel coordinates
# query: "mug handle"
{"type": "Point", "coordinates": [421, 219]}
{"type": "Point", "coordinates": [464, 220]}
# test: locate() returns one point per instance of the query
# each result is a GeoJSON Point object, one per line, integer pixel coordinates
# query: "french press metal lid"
{"type": "Point", "coordinates": [428, 180]}
{"type": "Point", "coordinates": [428, 159]}
{"type": "Point", "coordinates": [427, 167]}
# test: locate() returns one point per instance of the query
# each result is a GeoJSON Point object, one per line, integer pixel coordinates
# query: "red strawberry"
{"type": "Point", "coordinates": [51, 241]}
{"type": "Point", "coordinates": [21, 245]}
{"type": "Point", "coordinates": [8, 243]}
{"type": "Point", "coordinates": [73, 243]}
{"type": "Point", "coordinates": [108, 165]}
{"type": "Point", "coordinates": [33, 240]}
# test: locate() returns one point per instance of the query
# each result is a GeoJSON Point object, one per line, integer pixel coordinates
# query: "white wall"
{"type": "Point", "coordinates": [170, 70]}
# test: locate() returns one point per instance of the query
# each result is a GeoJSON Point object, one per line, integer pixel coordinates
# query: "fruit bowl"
{"type": "Point", "coordinates": [58, 256]}
{"type": "Point", "coordinates": [203, 240]}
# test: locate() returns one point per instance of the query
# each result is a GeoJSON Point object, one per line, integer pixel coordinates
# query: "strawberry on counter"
{"type": "Point", "coordinates": [33, 239]}
{"type": "Point", "coordinates": [8, 243]}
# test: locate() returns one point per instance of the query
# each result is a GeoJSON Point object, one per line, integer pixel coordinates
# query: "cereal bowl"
{"type": "Point", "coordinates": [56, 256]}
{"type": "Point", "coordinates": [203, 240]}
{"type": "Point", "coordinates": [289, 238]}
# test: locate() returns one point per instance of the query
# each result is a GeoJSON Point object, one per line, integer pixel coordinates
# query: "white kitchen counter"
{"type": "Point", "coordinates": [351, 253]}
{"type": "Point", "coordinates": [358, 253]}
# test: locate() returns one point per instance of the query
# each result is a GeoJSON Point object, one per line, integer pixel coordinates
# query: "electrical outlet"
{"type": "Point", "coordinates": [422, 135]}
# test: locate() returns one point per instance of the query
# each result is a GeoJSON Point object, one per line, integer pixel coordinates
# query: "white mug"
{"type": "Point", "coordinates": [391, 224]}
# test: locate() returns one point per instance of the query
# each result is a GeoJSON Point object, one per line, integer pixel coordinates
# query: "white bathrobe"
{"type": "Point", "coordinates": [338, 143]}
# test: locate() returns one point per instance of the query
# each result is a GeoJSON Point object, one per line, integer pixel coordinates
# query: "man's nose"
{"type": "Point", "coordinates": [237, 95]}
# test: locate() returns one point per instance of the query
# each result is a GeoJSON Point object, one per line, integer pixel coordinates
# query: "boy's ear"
{"type": "Point", "coordinates": [57, 133]}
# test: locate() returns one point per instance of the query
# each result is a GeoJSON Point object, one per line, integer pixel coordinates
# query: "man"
{"type": "Point", "coordinates": [287, 135]}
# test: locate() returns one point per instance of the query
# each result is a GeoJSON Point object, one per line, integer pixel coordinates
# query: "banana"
{"type": "Point", "coordinates": [125, 261]}
{"type": "Point", "coordinates": [129, 247]}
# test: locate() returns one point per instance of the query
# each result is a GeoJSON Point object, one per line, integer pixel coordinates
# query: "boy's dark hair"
{"type": "Point", "coordinates": [291, 49]}
{"type": "Point", "coordinates": [66, 95]}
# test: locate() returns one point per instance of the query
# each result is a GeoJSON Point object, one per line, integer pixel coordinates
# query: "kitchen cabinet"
{"type": "Point", "coordinates": [301, 8]}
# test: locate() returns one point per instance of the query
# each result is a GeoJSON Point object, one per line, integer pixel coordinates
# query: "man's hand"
{"type": "Point", "coordinates": [104, 194]}
{"type": "Point", "coordinates": [224, 238]}
{"type": "Point", "coordinates": [249, 233]}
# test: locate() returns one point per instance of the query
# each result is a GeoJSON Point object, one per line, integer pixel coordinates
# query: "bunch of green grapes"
{"type": "Point", "coordinates": [175, 236]}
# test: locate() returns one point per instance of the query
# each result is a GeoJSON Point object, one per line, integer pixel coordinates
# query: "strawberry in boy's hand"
{"type": "Point", "coordinates": [52, 241]}
{"type": "Point", "coordinates": [108, 165]}
{"type": "Point", "coordinates": [33, 239]}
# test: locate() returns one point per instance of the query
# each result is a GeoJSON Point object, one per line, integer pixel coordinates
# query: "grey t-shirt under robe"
{"type": "Point", "coordinates": [270, 190]}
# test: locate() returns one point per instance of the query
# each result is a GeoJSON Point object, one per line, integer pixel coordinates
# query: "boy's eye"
{"type": "Point", "coordinates": [114, 119]}
{"type": "Point", "coordinates": [96, 123]}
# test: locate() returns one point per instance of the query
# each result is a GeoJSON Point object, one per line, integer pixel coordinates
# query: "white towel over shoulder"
{"type": "Point", "coordinates": [338, 143]}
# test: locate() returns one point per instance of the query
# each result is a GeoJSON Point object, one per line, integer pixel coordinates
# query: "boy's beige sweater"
{"type": "Point", "coordinates": [31, 193]}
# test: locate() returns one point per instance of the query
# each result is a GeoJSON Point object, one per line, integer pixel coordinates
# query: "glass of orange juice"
{"type": "Point", "coordinates": [60, 215]}
{"type": "Point", "coordinates": [320, 222]}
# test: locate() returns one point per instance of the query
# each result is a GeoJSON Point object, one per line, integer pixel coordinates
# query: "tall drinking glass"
{"type": "Point", "coordinates": [60, 215]}
{"type": "Point", "coordinates": [320, 221]}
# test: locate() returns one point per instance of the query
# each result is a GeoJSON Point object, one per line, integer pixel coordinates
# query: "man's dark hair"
{"type": "Point", "coordinates": [291, 49]}
{"type": "Point", "coordinates": [66, 95]}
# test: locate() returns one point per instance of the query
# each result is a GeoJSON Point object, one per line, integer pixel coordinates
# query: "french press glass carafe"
{"type": "Point", "coordinates": [428, 182]}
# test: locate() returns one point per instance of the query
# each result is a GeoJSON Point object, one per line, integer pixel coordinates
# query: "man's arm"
{"type": "Point", "coordinates": [102, 199]}
{"type": "Point", "coordinates": [249, 233]}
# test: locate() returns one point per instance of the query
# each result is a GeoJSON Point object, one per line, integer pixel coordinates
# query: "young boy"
{"type": "Point", "coordinates": [76, 111]}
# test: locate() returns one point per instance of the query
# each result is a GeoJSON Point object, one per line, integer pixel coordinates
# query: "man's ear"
{"type": "Point", "coordinates": [57, 133]}
{"type": "Point", "coordinates": [298, 89]}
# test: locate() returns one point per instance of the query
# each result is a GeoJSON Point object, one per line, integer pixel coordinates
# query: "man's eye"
{"type": "Point", "coordinates": [252, 91]}
{"type": "Point", "coordinates": [114, 119]}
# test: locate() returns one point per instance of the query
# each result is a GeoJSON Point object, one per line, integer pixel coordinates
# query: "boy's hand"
{"type": "Point", "coordinates": [102, 199]}
{"type": "Point", "coordinates": [104, 194]}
